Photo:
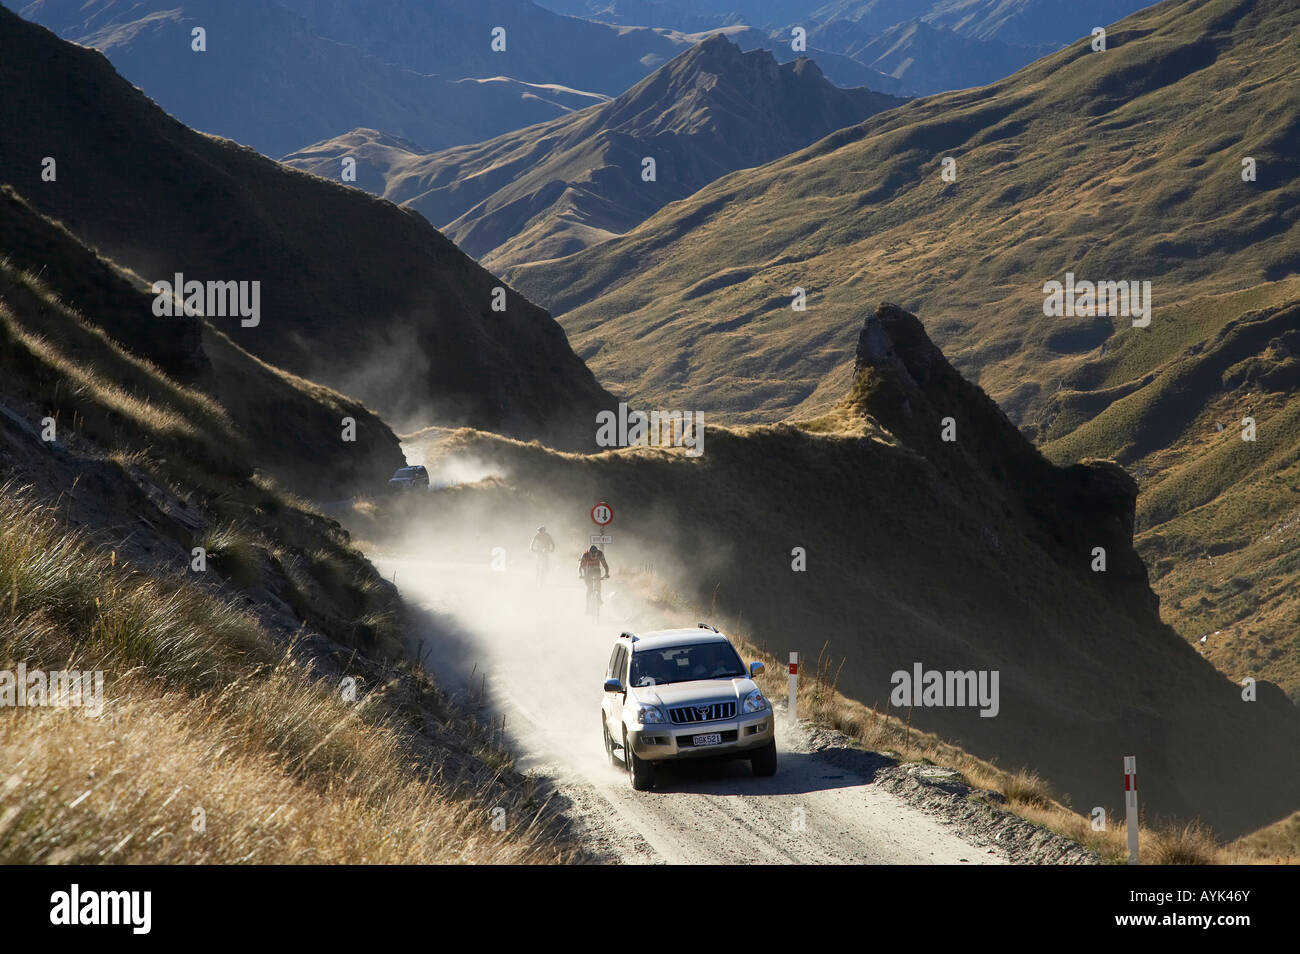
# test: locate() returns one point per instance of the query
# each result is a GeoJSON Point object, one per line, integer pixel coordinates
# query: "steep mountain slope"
{"type": "Point", "coordinates": [1122, 165]}
{"type": "Point", "coordinates": [156, 538]}
{"type": "Point", "coordinates": [193, 458]}
{"type": "Point", "coordinates": [354, 292]}
{"type": "Point", "coordinates": [556, 188]}
{"type": "Point", "coordinates": [1209, 418]}
{"type": "Point", "coordinates": [268, 80]}
{"type": "Point", "coordinates": [241, 406]}
{"type": "Point", "coordinates": [971, 554]}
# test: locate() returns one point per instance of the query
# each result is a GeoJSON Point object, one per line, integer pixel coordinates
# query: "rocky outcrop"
{"type": "Point", "coordinates": [903, 381]}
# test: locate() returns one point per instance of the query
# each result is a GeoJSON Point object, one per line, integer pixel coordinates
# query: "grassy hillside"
{"type": "Point", "coordinates": [215, 745]}
{"type": "Point", "coordinates": [295, 426]}
{"type": "Point", "coordinates": [972, 554]}
{"type": "Point", "coordinates": [1120, 165]}
{"type": "Point", "coordinates": [131, 443]}
{"type": "Point", "coordinates": [558, 187]}
{"type": "Point", "coordinates": [224, 735]}
{"type": "Point", "coordinates": [1216, 513]}
{"type": "Point", "coordinates": [355, 293]}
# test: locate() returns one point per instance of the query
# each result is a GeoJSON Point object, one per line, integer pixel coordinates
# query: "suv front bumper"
{"type": "Point", "coordinates": [667, 740]}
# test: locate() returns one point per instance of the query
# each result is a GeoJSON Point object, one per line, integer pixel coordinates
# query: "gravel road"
{"type": "Point", "coordinates": [540, 664]}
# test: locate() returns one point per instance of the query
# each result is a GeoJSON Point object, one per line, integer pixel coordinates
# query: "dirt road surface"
{"type": "Point", "coordinates": [542, 664]}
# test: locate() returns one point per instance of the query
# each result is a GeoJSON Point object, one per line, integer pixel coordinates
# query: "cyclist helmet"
{"type": "Point", "coordinates": [594, 549]}
{"type": "Point", "coordinates": [541, 529]}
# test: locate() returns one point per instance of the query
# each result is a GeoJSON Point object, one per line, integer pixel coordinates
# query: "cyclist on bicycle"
{"type": "Point", "coordinates": [590, 566]}
{"type": "Point", "coordinates": [542, 545]}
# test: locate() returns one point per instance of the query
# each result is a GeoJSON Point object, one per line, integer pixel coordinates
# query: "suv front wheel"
{"type": "Point", "coordinates": [639, 771]}
{"type": "Point", "coordinates": [763, 762]}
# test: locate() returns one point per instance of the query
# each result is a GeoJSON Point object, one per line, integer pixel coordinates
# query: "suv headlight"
{"type": "Point", "coordinates": [755, 702]}
{"type": "Point", "coordinates": [644, 714]}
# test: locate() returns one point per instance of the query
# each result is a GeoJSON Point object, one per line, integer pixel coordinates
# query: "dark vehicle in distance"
{"type": "Point", "coordinates": [409, 478]}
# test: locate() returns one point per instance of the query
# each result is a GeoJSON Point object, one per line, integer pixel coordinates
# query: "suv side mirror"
{"type": "Point", "coordinates": [613, 685]}
{"type": "Point", "coordinates": [754, 669]}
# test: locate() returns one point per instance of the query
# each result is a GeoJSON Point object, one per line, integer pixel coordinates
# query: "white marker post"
{"type": "Point", "coordinates": [794, 686]}
{"type": "Point", "coordinates": [1131, 805]}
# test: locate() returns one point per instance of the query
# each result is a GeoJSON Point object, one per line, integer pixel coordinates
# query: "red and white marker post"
{"type": "Point", "coordinates": [794, 686]}
{"type": "Point", "coordinates": [1131, 805]}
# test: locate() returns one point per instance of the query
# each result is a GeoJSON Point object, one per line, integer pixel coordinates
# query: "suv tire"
{"type": "Point", "coordinates": [763, 762]}
{"type": "Point", "coordinates": [609, 742]}
{"type": "Point", "coordinates": [640, 772]}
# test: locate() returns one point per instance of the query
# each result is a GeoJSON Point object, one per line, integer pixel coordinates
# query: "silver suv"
{"type": "Point", "coordinates": [683, 693]}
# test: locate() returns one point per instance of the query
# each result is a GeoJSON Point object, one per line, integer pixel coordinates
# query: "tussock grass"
{"type": "Point", "coordinates": [233, 554]}
{"type": "Point", "coordinates": [1190, 844]}
{"type": "Point", "coordinates": [1027, 788]}
{"type": "Point", "coordinates": [214, 746]}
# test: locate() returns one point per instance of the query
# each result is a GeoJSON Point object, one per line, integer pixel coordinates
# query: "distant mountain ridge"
{"type": "Point", "coordinates": [916, 47]}
{"type": "Point", "coordinates": [923, 58]}
{"type": "Point", "coordinates": [355, 293]}
{"type": "Point", "coordinates": [556, 188]}
{"type": "Point", "coordinates": [1104, 196]}
{"type": "Point", "coordinates": [271, 80]}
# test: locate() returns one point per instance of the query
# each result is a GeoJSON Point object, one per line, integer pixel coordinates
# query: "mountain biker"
{"type": "Point", "coordinates": [590, 566]}
{"type": "Point", "coordinates": [542, 545]}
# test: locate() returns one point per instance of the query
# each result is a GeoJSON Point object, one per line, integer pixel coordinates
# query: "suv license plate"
{"type": "Point", "coordinates": [713, 738]}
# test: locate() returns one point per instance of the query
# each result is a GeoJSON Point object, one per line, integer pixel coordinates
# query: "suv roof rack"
{"type": "Point", "coordinates": [707, 626]}
{"type": "Point", "coordinates": [629, 634]}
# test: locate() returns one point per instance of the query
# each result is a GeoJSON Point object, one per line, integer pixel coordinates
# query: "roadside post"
{"type": "Point", "coordinates": [1131, 805]}
{"type": "Point", "coordinates": [794, 686]}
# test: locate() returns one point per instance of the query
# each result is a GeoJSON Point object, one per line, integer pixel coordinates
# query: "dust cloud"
{"type": "Point", "coordinates": [524, 648]}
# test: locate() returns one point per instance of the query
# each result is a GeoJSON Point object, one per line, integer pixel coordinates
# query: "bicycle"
{"type": "Point", "coordinates": [593, 596]}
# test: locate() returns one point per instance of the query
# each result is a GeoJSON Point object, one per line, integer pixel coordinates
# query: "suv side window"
{"type": "Point", "coordinates": [618, 664]}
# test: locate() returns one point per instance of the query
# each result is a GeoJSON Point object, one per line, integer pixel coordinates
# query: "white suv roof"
{"type": "Point", "coordinates": [663, 638]}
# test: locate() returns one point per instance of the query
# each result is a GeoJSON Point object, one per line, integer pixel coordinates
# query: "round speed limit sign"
{"type": "Point", "coordinates": [602, 515]}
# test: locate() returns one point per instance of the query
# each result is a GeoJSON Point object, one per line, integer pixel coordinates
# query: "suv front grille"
{"type": "Point", "coordinates": [707, 712]}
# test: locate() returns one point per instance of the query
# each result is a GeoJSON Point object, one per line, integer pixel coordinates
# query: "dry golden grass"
{"type": "Point", "coordinates": [214, 746]}
{"type": "Point", "coordinates": [1279, 843]}
{"type": "Point", "coordinates": [160, 779]}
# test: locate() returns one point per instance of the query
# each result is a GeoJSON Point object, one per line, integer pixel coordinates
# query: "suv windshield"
{"type": "Point", "coordinates": [655, 667]}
